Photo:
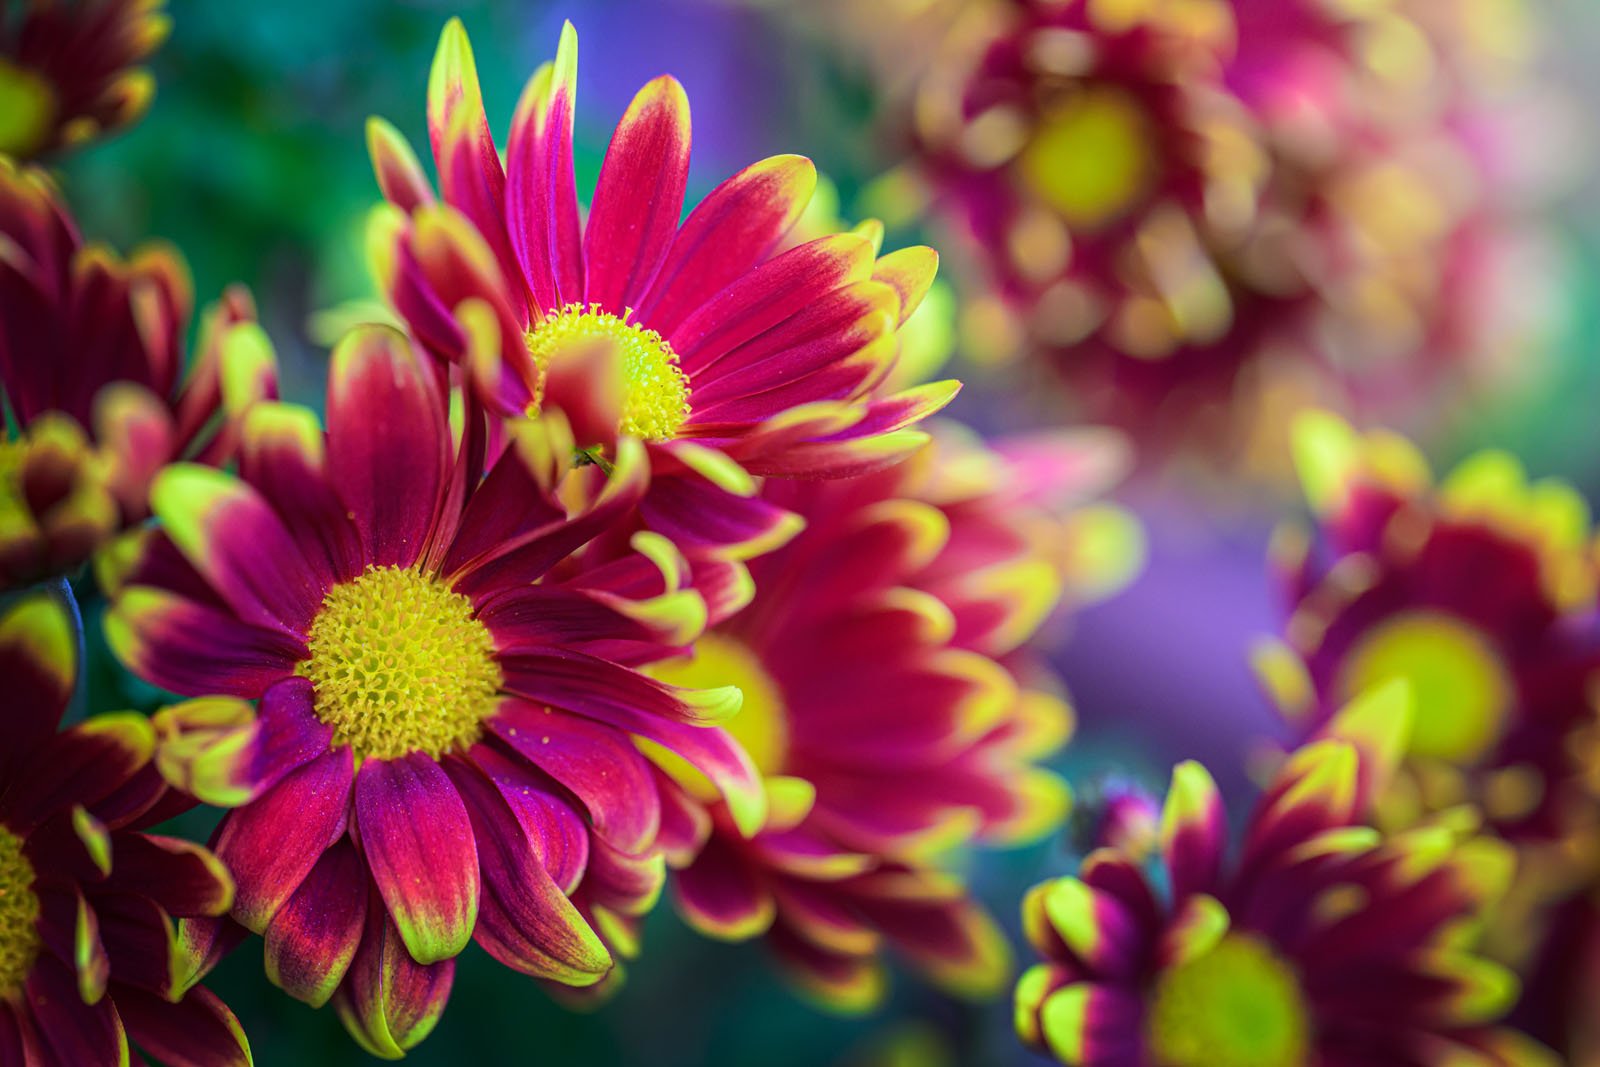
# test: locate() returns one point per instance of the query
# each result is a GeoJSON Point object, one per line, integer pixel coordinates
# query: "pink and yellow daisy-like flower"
{"type": "Point", "coordinates": [1396, 197]}
{"type": "Point", "coordinates": [727, 356]}
{"type": "Point", "coordinates": [448, 698]}
{"type": "Point", "coordinates": [885, 724]}
{"type": "Point", "coordinates": [1321, 943]}
{"type": "Point", "coordinates": [1478, 593]}
{"type": "Point", "coordinates": [1104, 171]}
{"type": "Point", "coordinates": [69, 70]}
{"type": "Point", "coordinates": [92, 372]}
{"type": "Point", "coordinates": [89, 957]}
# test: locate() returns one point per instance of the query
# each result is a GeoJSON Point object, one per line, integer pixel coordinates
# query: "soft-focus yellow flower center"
{"type": "Point", "coordinates": [19, 914]}
{"type": "Point", "coordinates": [1460, 686]}
{"type": "Point", "coordinates": [27, 108]}
{"type": "Point", "coordinates": [400, 664]}
{"type": "Point", "coordinates": [655, 400]}
{"type": "Point", "coordinates": [1238, 1005]}
{"type": "Point", "coordinates": [1090, 158]}
{"type": "Point", "coordinates": [762, 725]}
{"type": "Point", "coordinates": [12, 454]}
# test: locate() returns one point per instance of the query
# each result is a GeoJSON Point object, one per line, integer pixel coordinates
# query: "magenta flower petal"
{"type": "Point", "coordinates": [237, 542]}
{"type": "Point", "coordinates": [313, 938]}
{"type": "Point", "coordinates": [198, 1030]}
{"type": "Point", "coordinates": [420, 848]}
{"type": "Point", "coordinates": [639, 198]}
{"type": "Point", "coordinates": [769, 295]}
{"type": "Point", "coordinates": [554, 829]}
{"type": "Point", "coordinates": [38, 660]}
{"type": "Point", "coordinates": [470, 174]}
{"type": "Point", "coordinates": [541, 190]}
{"type": "Point", "coordinates": [723, 896]}
{"type": "Point", "coordinates": [721, 759]}
{"type": "Point", "coordinates": [73, 1031]}
{"type": "Point", "coordinates": [282, 454]}
{"type": "Point", "coordinates": [386, 444]}
{"type": "Point", "coordinates": [1194, 831]}
{"type": "Point", "coordinates": [730, 231]}
{"type": "Point", "coordinates": [180, 876]}
{"type": "Point", "coordinates": [288, 735]}
{"type": "Point", "coordinates": [272, 844]}
{"type": "Point", "coordinates": [140, 942]}
{"type": "Point", "coordinates": [525, 919]}
{"type": "Point", "coordinates": [389, 1001]}
{"type": "Point", "coordinates": [78, 766]}
{"type": "Point", "coordinates": [597, 763]}
{"type": "Point", "coordinates": [597, 689]}
{"type": "Point", "coordinates": [188, 647]}
{"type": "Point", "coordinates": [816, 336]}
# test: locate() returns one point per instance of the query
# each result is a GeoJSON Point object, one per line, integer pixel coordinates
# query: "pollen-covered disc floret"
{"type": "Point", "coordinates": [400, 664]}
{"type": "Point", "coordinates": [1238, 1004]}
{"type": "Point", "coordinates": [655, 392]}
{"type": "Point", "coordinates": [19, 912]}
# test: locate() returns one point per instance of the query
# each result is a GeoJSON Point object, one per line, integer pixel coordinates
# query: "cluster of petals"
{"type": "Point", "coordinates": [92, 356]}
{"type": "Point", "coordinates": [91, 904]}
{"type": "Point", "coordinates": [890, 712]}
{"type": "Point", "coordinates": [69, 71]}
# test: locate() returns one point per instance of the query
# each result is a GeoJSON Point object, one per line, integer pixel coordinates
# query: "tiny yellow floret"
{"type": "Point", "coordinates": [656, 391]}
{"type": "Point", "coordinates": [400, 663]}
{"type": "Point", "coordinates": [19, 915]}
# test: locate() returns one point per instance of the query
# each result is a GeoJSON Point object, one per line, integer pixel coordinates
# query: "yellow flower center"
{"type": "Point", "coordinates": [400, 664]}
{"type": "Point", "coordinates": [12, 454]}
{"type": "Point", "coordinates": [1089, 158]}
{"type": "Point", "coordinates": [1238, 1005]}
{"type": "Point", "coordinates": [27, 108]}
{"type": "Point", "coordinates": [761, 726]}
{"type": "Point", "coordinates": [19, 915]}
{"type": "Point", "coordinates": [1459, 683]}
{"type": "Point", "coordinates": [655, 392]}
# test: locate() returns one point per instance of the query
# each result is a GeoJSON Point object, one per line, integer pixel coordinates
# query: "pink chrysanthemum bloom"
{"type": "Point", "coordinates": [1479, 592]}
{"type": "Point", "coordinates": [69, 70]}
{"type": "Point", "coordinates": [1322, 942]}
{"type": "Point", "coordinates": [1103, 171]}
{"type": "Point", "coordinates": [444, 747]}
{"type": "Point", "coordinates": [1398, 191]}
{"type": "Point", "coordinates": [727, 357]}
{"type": "Point", "coordinates": [888, 729]}
{"type": "Point", "coordinates": [92, 372]}
{"type": "Point", "coordinates": [89, 959]}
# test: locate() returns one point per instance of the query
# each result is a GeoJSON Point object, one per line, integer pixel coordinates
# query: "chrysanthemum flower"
{"type": "Point", "coordinates": [1104, 170]}
{"type": "Point", "coordinates": [1322, 943]}
{"type": "Point", "coordinates": [1476, 591]}
{"type": "Point", "coordinates": [69, 70]}
{"type": "Point", "coordinates": [728, 358]}
{"type": "Point", "coordinates": [1399, 191]}
{"type": "Point", "coordinates": [88, 952]}
{"type": "Point", "coordinates": [92, 372]}
{"type": "Point", "coordinates": [1479, 593]}
{"type": "Point", "coordinates": [448, 701]}
{"type": "Point", "coordinates": [887, 728]}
